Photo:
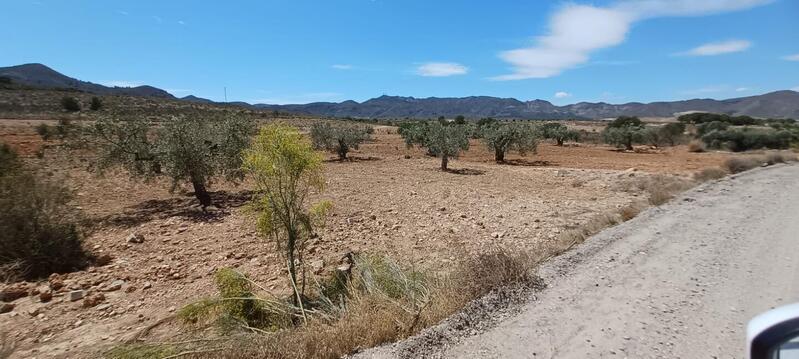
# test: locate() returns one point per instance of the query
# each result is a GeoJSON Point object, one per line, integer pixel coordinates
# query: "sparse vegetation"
{"type": "Point", "coordinates": [505, 137]}
{"type": "Point", "coordinates": [748, 139]}
{"type": "Point", "coordinates": [70, 104]}
{"type": "Point", "coordinates": [39, 234]}
{"type": "Point", "coordinates": [696, 146]}
{"type": "Point", "coordinates": [338, 139]}
{"type": "Point", "coordinates": [741, 164]}
{"type": "Point", "coordinates": [190, 149]}
{"type": "Point", "coordinates": [710, 174]}
{"type": "Point", "coordinates": [286, 169]}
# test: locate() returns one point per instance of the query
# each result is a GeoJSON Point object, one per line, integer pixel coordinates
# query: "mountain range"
{"type": "Point", "coordinates": [779, 104]}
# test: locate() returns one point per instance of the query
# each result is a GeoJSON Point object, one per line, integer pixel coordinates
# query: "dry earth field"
{"type": "Point", "coordinates": [389, 199]}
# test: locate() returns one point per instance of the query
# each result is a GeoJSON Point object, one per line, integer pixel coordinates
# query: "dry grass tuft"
{"type": "Point", "coordinates": [659, 188]}
{"type": "Point", "coordinates": [710, 174]}
{"type": "Point", "coordinates": [384, 303]}
{"type": "Point", "coordinates": [696, 146]}
{"type": "Point", "coordinates": [742, 164]}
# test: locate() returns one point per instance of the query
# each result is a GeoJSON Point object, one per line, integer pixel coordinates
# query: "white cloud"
{"type": "Point", "coordinates": [794, 57]}
{"type": "Point", "coordinates": [742, 89]}
{"type": "Point", "coordinates": [441, 69]}
{"type": "Point", "coordinates": [181, 22]}
{"type": "Point", "coordinates": [718, 48]}
{"type": "Point", "coordinates": [342, 67]}
{"type": "Point", "coordinates": [562, 94]}
{"type": "Point", "coordinates": [177, 91]}
{"type": "Point", "coordinates": [795, 89]}
{"type": "Point", "coordinates": [158, 19]}
{"type": "Point", "coordinates": [122, 12]}
{"type": "Point", "coordinates": [575, 31]}
{"type": "Point", "coordinates": [122, 83]}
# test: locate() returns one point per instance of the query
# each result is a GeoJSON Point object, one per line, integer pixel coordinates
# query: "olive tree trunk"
{"type": "Point", "coordinates": [201, 193]}
{"type": "Point", "coordinates": [444, 162]}
{"type": "Point", "coordinates": [499, 155]}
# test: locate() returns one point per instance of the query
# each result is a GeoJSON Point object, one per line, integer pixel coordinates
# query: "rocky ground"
{"type": "Point", "coordinates": [162, 250]}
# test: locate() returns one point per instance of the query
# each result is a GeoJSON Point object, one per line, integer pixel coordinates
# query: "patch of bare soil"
{"type": "Point", "coordinates": [389, 199]}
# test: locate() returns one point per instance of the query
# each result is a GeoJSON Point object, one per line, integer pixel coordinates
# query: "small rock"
{"type": "Point", "coordinates": [93, 300]}
{"type": "Point", "coordinates": [497, 235]}
{"type": "Point", "coordinates": [103, 260]}
{"type": "Point", "coordinates": [45, 296]}
{"type": "Point", "coordinates": [135, 238]}
{"type": "Point", "coordinates": [6, 307]}
{"type": "Point", "coordinates": [147, 285]}
{"type": "Point", "coordinates": [317, 266]}
{"type": "Point", "coordinates": [33, 312]}
{"type": "Point", "coordinates": [172, 309]}
{"type": "Point", "coordinates": [115, 285]}
{"type": "Point", "coordinates": [76, 295]}
{"type": "Point", "coordinates": [12, 293]}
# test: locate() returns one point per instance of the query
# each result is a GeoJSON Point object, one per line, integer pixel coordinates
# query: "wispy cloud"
{"type": "Point", "coordinates": [716, 89]}
{"type": "Point", "coordinates": [342, 67]}
{"type": "Point", "coordinates": [158, 19]}
{"type": "Point", "coordinates": [181, 22]}
{"type": "Point", "coordinates": [562, 94]}
{"type": "Point", "coordinates": [742, 89]}
{"type": "Point", "coordinates": [441, 69]}
{"type": "Point", "coordinates": [718, 48]}
{"type": "Point", "coordinates": [122, 12]}
{"type": "Point", "coordinates": [794, 57]}
{"type": "Point", "coordinates": [178, 91]}
{"type": "Point", "coordinates": [122, 83]}
{"type": "Point", "coordinates": [575, 31]}
{"type": "Point", "coordinates": [300, 98]}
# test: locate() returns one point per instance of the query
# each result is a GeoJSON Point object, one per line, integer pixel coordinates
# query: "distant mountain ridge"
{"type": "Point", "coordinates": [779, 104]}
{"type": "Point", "coordinates": [38, 75]}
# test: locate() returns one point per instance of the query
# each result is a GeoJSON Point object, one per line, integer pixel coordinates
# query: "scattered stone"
{"type": "Point", "coordinates": [147, 285]}
{"type": "Point", "coordinates": [13, 292]}
{"type": "Point", "coordinates": [135, 238]}
{"type": "Point", "coordinates": [115, 286]}
{"type": "Point", "coordinates": [496, 235]}
{"type": "Point", "coordinates": [130, 289]}
{"type": "Point", "coordinates": [103, 260]}
{"type": "Point", "coordinates": [33, 312]}
{"type": "Point", "coordinates": [45, 296]}
{"type": "Point", "coordinates": [93, 300]}
{"type": "Point", "coordinates": [76, 295]}
{"type": "Point", "coordinates": [6, 307]}
{"type": "Point", "coordinates": [317, 266]}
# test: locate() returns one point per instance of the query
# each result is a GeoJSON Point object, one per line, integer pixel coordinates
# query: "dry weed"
{"type": "Point", "coordinates": [696, 146]}
{"type": "Point", "coordinates": [710, 174]}
{"type": "Point", "coordinates": [741, 164]}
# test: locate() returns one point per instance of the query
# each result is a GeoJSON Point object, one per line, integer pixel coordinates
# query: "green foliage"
{"type": "Point", "coordinates": [504, 137]}
{"type": "Point", "coordinates": [559, 132]}
{"type": "Point", "coordinates": [445, 141]}
{"type": "Point", "coordinates": [44, 131]}
{"type": "Point", "coordinates": [671, 133]}
{"type": "Point", "coordinates": [460, 120]}
{"type": "Point", "coordinates": [625, 131]}
{"type": "Point", "coordinates": [485, 121]}
{"type": "Point", "coordinates": [184, 149]}
{"type": "Point", "coordinates": [70, 104]}
{"type": "Point", "coordinates": [338, 139]}
{"type": "Point", "coordinates": [96, 104]}
{"type": "Point", "coordinates": [708, 127]}
{"type": "Point", "coordinates": [38, 226]}
{"type": "Point", "coordinates": [378, 274]}
{"type": "Point", "coordinates": [702, 117]}
{"type": "Point", "coordinates": [286, 169]}
{"type": "Point", "coordinates": [748, 139]}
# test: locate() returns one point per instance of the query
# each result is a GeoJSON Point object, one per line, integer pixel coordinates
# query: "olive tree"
{"type": "Point", "coordinates": [286, 169]}
{"type": "Point", "coordinates": [338, 139]}
{"type": "Point", "coordinates": [625, 131]}
{"type": "Point", "coordinates": [184, 149]}
{"type": "Point", "coordinates": [442, 140]}
{"type": "Point", "coordinates": [504, 137]}
{"type": "Point", "coordinates": [559, 132]}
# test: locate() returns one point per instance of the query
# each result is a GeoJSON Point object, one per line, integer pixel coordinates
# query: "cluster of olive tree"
{"type": "Point", "coordinates": [440, 138]}
{"type": "Point", "coordinates": [625, 131]}
{"type": "Point", "coordinates": [338, 139]}
{"type": "Point", "coordinates": [559, 132]}
{"type": "Point", "coordinates": [505, 137]}
{"type": "Point", "coordinates": [184, 149]}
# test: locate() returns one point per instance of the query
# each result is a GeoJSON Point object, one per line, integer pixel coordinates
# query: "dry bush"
{"type": "Point", "coordinates": [710, 174]}
{"type": "Point", "coordinates": [741, 164]}
{"type": "Point", "coordinates": [384, 303]}
{"type": "Point", "coordinates": [696, 146]}
{"type": "Point", "coordinates": [773, 158]}
{"type": "Point", "coordinates": [659, 188]}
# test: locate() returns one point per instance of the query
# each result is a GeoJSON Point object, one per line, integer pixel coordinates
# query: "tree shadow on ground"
{"type": "Point", "coordinates": [528, 163]}
{"type": "Point", "coordinates": [353, 159]}
{"type": "Point", "coordinates": [186, 207]}
{"type": "Point", "coordinates": [465, 171]}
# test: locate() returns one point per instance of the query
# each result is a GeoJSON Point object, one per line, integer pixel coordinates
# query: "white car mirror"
{"type": "Point", "coordinates": [774, 334]}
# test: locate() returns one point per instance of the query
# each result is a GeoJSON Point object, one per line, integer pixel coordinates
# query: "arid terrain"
{"type": "Point", "coordinates": [388, 199]}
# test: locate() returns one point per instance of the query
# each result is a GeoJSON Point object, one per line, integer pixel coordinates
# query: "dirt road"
{"type": "Point", "coordinates": [679, 281]}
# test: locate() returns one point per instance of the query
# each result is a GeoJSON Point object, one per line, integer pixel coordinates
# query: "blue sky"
{"type": "Point", "coordinates": [297, 51]}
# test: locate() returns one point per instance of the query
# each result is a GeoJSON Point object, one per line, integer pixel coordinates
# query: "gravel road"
{"type": "Point", "coordinates": [678, 281]}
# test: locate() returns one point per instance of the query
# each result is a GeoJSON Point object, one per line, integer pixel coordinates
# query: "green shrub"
{"type": "Point", "coordinates": [708, 127]}
{"type": "Point", "coordinates": [703, 117]}
{"type": "Point", "coordinates": [748, 139]}
{"type": "Point", "coordinates": [70, 104]}
{"type": "Point", "coordinates": [338, 139]}
{"type": "Point", "coordinates": [96, 104]}
{"type": "Point", "coordinates": [44, 131]}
